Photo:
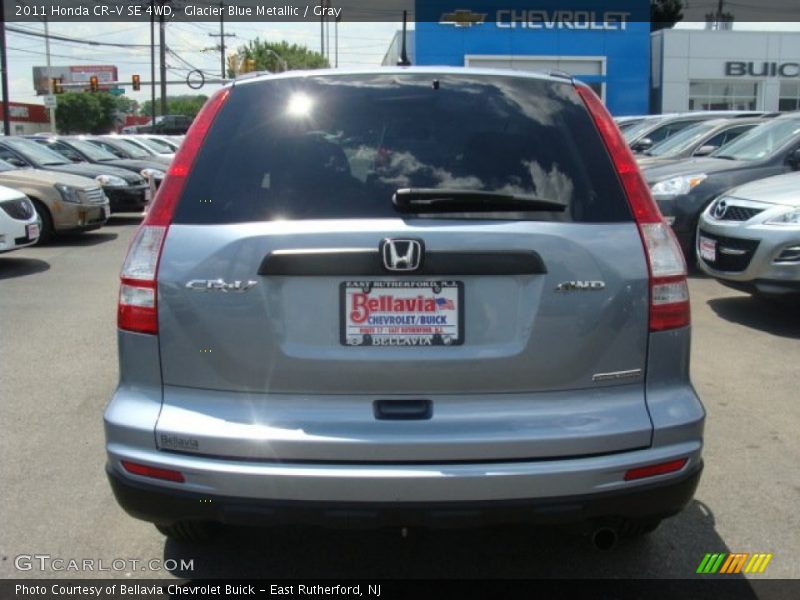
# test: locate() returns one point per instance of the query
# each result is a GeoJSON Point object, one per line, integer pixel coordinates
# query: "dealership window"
{"type": "Point", "coordinates": [790, 96]}
{"type": "Point", "coordinates": [722, 95]}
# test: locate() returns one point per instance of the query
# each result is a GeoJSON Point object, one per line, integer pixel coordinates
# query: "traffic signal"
{"type": "Point", "coordinates": [55, 85]}
{"type": "Point", "coordinates": [233, 65]}
{"type": "Point", "coordinates": [137, 83]}
{"type": "Point", "coordinates": [93, 85]}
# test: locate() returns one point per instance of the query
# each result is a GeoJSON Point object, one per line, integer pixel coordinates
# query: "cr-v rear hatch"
{"type": "Point", "coordinates": [459, 240]}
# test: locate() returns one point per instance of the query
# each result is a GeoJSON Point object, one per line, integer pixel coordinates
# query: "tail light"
{"type": "Point", "coordinates": [669, 292]}
{"type": "Point", "coordinates": [657, 469]}
{"type": "Point", "coordinates": [154, 472]}
{"type": "Point", "coordinates": [138, 295]}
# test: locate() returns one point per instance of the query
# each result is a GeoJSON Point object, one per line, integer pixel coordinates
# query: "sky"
{"type": "Point", "coordinates": [360, 45]}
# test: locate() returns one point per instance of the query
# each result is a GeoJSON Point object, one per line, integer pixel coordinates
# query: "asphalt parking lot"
{"type": "Point", "coordinates": [58, 369]}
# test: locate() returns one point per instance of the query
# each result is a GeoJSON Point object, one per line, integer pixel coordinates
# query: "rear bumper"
{"type": "Point", "coordinates": [157, 504]}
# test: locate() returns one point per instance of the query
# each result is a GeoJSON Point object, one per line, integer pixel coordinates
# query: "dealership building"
{"type": "Point", "coordinates": [633, 70]}
{"type": "Point", "coordinates": [25, 119]}
{"type": "Point", "coordinates": [720, 70]}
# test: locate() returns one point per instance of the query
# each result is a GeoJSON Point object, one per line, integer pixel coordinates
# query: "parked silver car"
{"type": "Point", "coordinates": [749, 238]}
{"type": "Point", "coordinates": [404, 296]}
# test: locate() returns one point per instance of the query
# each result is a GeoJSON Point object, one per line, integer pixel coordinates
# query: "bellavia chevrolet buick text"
{"type": "Point", "coordinates": [407, 296]}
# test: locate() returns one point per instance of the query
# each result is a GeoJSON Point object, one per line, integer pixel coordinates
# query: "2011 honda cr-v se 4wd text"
{"type": "Point", "coordinates": [406, 296]}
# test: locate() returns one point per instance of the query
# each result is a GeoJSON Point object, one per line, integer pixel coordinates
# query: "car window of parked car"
{"type": "Point", "coordinates": [668, 130]}
{"type": "Point", "coordinates": [96, 153]}
{"type": "Point", "coordinates": [728, 135]}
{"type": "Point", "coordinates": [12, 158]}
{"type": "Point", "coordinates": [340, 147]}
{"type": "Point", "coordinates": [132, 149]}
{"type": "Point", "coordinates": [62, 149]}
{"type": "Point", "coordinates": [6, 166]}
{"type": "Point", "coordinates": [681, 141]}
{"type": "Point", "coordinates": [108, 148]}
{"type": "Point", "coordinates": [637, 130]}
{"type": "Point", "coordinates": [156, 145]}
{"type": "Point", "coordinates": [761, 142]}
{"type": "Point", "coordinates": [34, 152]}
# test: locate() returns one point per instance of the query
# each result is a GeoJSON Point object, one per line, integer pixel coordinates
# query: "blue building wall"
{"type": "Point", "coordinates": [627, 50]}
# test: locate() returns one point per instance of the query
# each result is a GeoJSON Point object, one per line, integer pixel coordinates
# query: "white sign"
{"type": "Point", "coordinates": [18, 112]}
{"type": "Point", "coordinates": [50, 101]}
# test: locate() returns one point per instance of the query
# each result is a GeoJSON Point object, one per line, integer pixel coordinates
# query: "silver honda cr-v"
{"type": "Point", "coordinates": [406, 296]}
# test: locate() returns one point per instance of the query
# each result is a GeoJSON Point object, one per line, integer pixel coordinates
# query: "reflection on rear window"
{"type": "Point", "coordinates": [339, 146]}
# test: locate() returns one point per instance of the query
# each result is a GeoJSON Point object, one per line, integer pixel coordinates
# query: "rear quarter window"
{"type": "Point", "coordinates": [329, 146]}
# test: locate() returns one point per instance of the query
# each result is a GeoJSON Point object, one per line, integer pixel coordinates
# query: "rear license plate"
{"type": "Point", "coordinates": [32, 231]}
{"type": "Point", "coordinates": [708, 249]}
{"type": "Point", "coordinates": [402, 313]}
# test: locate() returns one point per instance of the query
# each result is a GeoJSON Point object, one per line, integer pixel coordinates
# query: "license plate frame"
{"type": "Point", "coordinates": [32, 231]}
{"type": "Point", "coordinates": [707, 248]}
{"type": "Point", "coordinates": [448, 298]}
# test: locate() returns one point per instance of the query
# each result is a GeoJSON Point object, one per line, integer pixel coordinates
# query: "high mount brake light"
{"type": "Point", "coordinates": [669, 293]}
{"type": "Point", "coordinates": [138, 296]}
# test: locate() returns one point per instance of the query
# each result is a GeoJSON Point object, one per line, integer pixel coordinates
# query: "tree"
{"type": "Point", "coordinates": [665, 13]}
{"type": "Point", "coordinates": [126, 105]}
{"type": "Point", "coordinates": [85, 112]}
{"type": "Point", "coordinates": [277, 56]}
{"type": "Point", "coordinates": [188, 105]}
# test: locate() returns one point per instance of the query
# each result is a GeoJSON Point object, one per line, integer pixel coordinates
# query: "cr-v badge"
{"type": "Point", "coordinates": [580, 286]}
{"type": "Point", "coordinates": [219, 285]}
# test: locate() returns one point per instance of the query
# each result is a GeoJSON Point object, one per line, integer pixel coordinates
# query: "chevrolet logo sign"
{"type": "Point", "coordinates": [462, 18]}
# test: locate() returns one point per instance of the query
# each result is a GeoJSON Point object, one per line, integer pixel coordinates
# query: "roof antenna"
{"type": "Point", "coordinates": [403, 60]}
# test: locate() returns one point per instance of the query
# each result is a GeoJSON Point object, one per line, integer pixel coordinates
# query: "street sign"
{"type": "Point", "coordinates": [116, 91]}
{"type": "Point", "coordinates": [50, 101]}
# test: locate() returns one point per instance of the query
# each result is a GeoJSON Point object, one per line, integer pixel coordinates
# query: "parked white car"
{"type": "Point", "coordinates": [19, 223]}
{"type": "Point", "coordinates": [154, 147]}
{"type": "Point", "coordinates": [749, 237]}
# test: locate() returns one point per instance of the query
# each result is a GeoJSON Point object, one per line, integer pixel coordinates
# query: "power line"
{"type": "Point", "coordinates": [78, 58]}
{"type": "Point", "coordinates": [74, 40]}
{"type": "Point", "coordinates": [135, 47]}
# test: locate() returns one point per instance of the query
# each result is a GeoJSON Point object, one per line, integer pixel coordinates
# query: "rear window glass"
{"type": "Point", "coordinates": [327, 146]}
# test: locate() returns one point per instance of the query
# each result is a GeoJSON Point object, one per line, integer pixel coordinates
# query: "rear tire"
{"type": "Point", "coordinates": [192, 532]}
{"type": "Point", "coordinates": [47, 230]}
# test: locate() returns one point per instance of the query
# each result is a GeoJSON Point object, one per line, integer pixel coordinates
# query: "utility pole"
{"type": "Point", "coordinates": [51, 111]}
{"type": "Point", "coordinates": [336, 36]}
{"type": "Point", "coordinates": [152, 64]}
{"type": "Point", "coordinates": [328, 33]}
{"type": "Point", "coordinates": [4, 69]}
{"type": "Point", "coordinates": [222, 35]}
{"type": "Point", "coordinates": [163, 57]}
{"type": "Point", "coordinates": [322, 29]}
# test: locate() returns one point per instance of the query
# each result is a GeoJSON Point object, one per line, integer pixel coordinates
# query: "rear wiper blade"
{"type": "Point", "coordinates": [460, 200]}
